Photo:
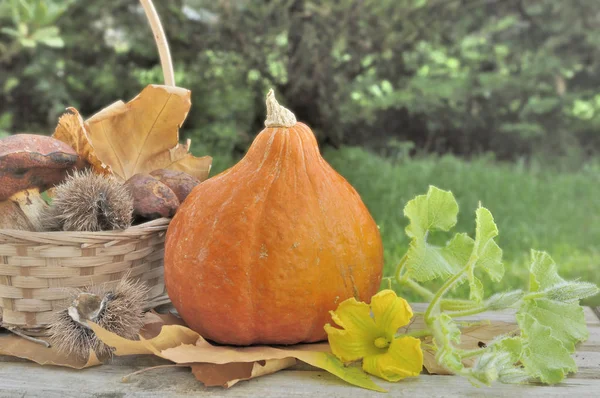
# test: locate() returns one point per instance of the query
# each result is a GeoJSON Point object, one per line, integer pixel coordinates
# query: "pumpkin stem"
{"type": "Point", "coordinates": [277, 115]}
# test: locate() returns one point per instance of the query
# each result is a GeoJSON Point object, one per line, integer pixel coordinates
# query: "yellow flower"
{"type": "Point", "coordinates": [369, 332]}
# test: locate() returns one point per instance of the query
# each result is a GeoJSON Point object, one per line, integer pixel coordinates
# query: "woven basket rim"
{"type": "Point", "coordinates": [54, 237]}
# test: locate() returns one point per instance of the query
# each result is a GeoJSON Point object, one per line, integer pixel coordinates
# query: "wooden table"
{"type": "Point", "coordinates": [25, 379]}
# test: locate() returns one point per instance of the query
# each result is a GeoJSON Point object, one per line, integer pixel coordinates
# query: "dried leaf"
{"type": "Point", "coordinates": [184, 346]}
{"type": "Point", "coordinates": [71, 130]}
{"type": "Point", "coordinates": [472, 338]}
{"type": "Point", "coordinates": [153, 323]}
{"type": "Point", "coordinates": [143, 135]}
{"type": "Point", "coordinates": [226, 375]}
{"type": "Point", "coordinates": [19, 347]}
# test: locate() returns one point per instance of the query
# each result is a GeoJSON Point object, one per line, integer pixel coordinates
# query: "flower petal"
{"type": "Point", "coordinates": [404, 358]}
{"type": "Point", "coordinates": [357, 338]}
{"type": "Point", "coordinates": [390, 311]}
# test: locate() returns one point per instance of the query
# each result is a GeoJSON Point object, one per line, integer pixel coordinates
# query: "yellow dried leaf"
{"type": "Point", "coordinates": [226, 375]}
{"type": "Point", "coordinates": [71, 130]}
{"type": "Point", "coordinates": [143, 134]}
{"type": "Point", "coordinates": [184, 346]}
{"type": "Point", "coordinates": [16, 346]}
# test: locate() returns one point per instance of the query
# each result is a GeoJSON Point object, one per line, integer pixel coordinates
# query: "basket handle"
{"type": "Point", "coordinates": [161, 42]}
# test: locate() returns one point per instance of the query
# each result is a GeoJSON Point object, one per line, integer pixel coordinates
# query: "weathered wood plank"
{"type": "Point", "coordinates": [596, 311]}
{"type": "Point", "coordinates": [19, 380]}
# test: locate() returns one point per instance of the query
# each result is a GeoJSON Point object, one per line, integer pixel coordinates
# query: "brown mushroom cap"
{"type": "Point", "coordinates": [151, 198]}
{"type": "Point", "coordinates": [180, 183]}
{"type": "Point", "coordinates": [33, 161]}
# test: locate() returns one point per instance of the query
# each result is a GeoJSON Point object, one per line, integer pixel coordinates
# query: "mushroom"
{"type": "Point", "coordinates": [30, 164]}
{"type": "Point", "coordinates": [180, 183]}
{"type": "Point", "coordinates": [151, 198]}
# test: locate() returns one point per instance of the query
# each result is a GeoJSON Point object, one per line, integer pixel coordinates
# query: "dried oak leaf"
{"type": "Point", "coordinates": [226, 365]}
{"type": "Point", "coordinates": [71, 130]}
{"type": "Point", "coordinates": [143, 135]}
{"type": "Point", "coordinates": [16, 346]}
{"type": "Point", "coordinates": [136, 137]}
{"type": "Point", "coordinates": [226, 375]}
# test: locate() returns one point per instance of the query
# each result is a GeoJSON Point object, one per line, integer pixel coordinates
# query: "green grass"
{"type": "Point", "coordinates": [534, 209]}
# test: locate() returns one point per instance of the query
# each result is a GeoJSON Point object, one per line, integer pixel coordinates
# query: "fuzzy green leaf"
{"type": "Point", "coordinates": [489, 254]}
{"type": "Point", "coordinates": [544, 356]}
{"type": "Point", "coordinates": [566, 321]}
{"type": "Point", "coordinates": [512, 346]}
{"type": "Point", "coordinates": [458, 251]}
{"type": "Point", "coordinates": [553, 302]}
{"type": "Point", "coordinates": [542, 272]}
{"type": "Point", "coordinates": [435, 211]}
{"type": "Point", "coordinates": [426, 262]}
{"type": "Point", "coordinates": [486, 254]}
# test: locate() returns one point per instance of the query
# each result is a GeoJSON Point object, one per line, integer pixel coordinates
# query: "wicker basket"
{"type": "Point", "coordinates": [40, 270]}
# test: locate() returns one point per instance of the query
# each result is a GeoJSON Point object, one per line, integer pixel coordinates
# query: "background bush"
{"type": "Point", "coordinates": [514, 77]}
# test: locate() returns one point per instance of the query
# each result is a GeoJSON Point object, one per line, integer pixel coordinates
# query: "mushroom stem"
{"type": "Point", "coordinates": [12, 217]}
{"type": "Point", "coordinates": [277, 115]}
{"type": "Point", "coordinates": [32, 206]}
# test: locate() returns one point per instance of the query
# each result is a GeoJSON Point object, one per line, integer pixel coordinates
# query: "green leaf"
{"type": "Point", "coordinates": [41, 33]}
{"type": "Point", "coordinates": [553, 302]}
{"type": "Point", "coordinates": [485, 229]}
{"type": "Point", "coordinates": [54, 42]}
{"type": "Point", "coordinates": [39, 13]}
{"type": "Point", "coordinates": [29, 43]}
{"type": "Point", "coordinates": [511, 345]}
{"type": "Point", "coordinates": [458, 250]}
{"type": "Point", "coordinates": [565, 320]}
{"type": "Point", "coordinates": [449, 358]}
{"type": "Point", "coordinates": [435, 211]}
{"type": "Point", "coordinates": [496, 365]}
{"type": "Point", "coordinates": [544, 356]}
{"type": "Point", "coordinates": [426, 262]}
{"type": "Point", "coordinates": [489, 254]}
{"type": "Point", "coordinates": [11, 32]}
{"type": "Point", "coordinates": [486, 254]}
{"type": "Point", "coordinates": [542, 272]}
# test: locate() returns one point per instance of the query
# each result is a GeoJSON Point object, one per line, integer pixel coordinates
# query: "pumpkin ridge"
{"type": "Point", "coordinates": [357, 238]}
{"type": "Point", "coordinates": [258, 222]}
{"type": "Point", "coordinates": [267, 150]}
{"type": "Point", "coordinates": [316, 321]}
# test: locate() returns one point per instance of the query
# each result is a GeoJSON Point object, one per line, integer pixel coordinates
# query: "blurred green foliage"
{"type": "Point", "coordinates": [513, 77]}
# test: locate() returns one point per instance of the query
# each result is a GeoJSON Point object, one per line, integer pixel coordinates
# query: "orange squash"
{"type": "Point", "coordinates": [263, 251]}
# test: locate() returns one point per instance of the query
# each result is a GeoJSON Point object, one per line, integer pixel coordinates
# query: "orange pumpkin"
{"type": "Point", "coordinates": [263, 251]}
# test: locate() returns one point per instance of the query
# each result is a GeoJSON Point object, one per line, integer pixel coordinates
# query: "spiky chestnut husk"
{"type": "Point", "coordinates": [87, 201]}
{"type": "Point", "coordinates": [120, 311]}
